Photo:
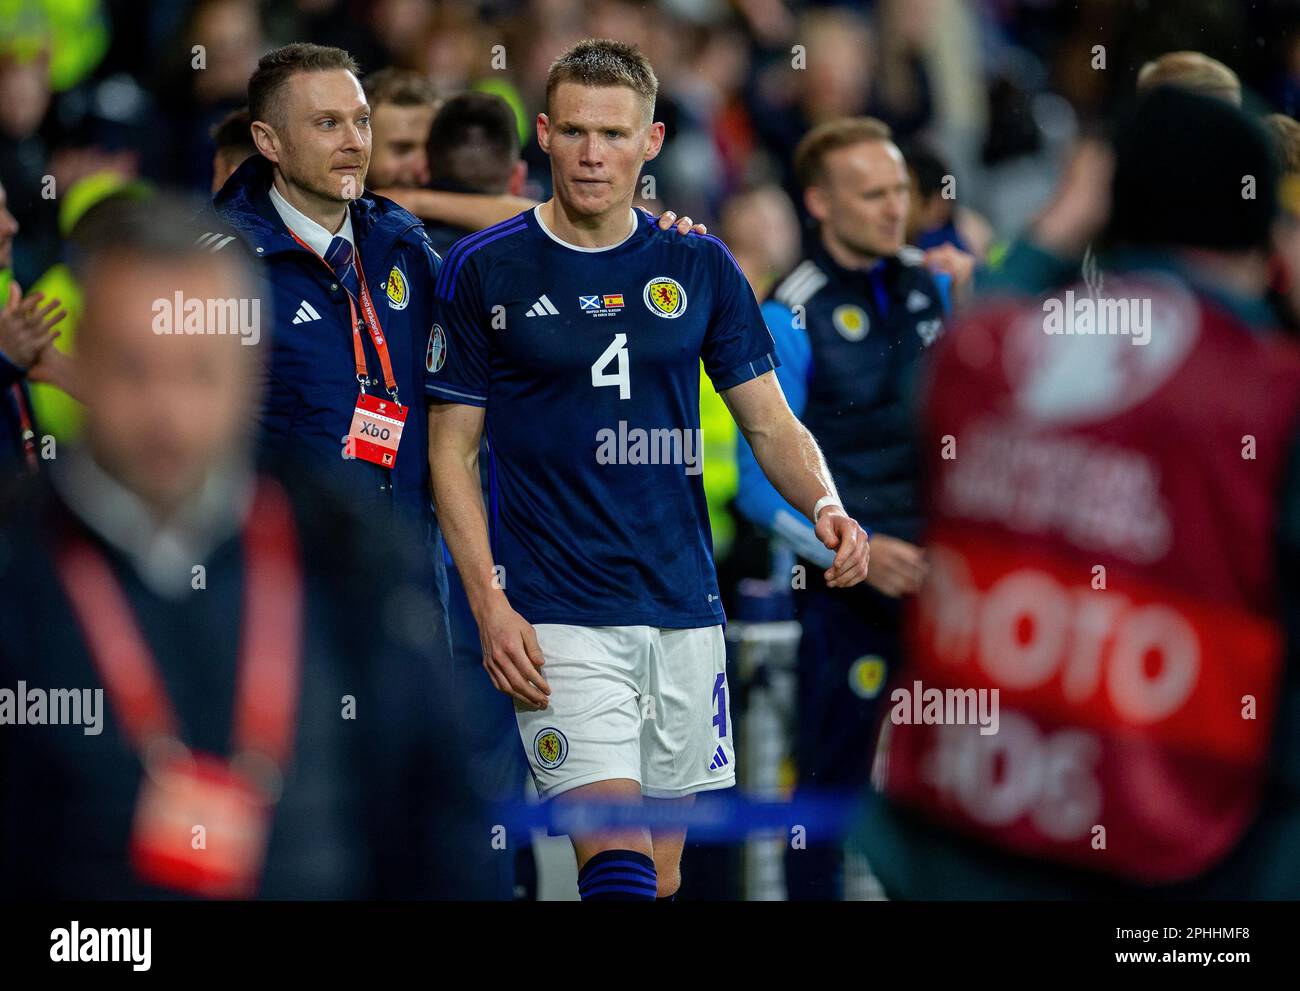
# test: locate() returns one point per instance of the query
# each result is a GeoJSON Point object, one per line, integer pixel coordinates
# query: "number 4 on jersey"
{"type": "Point", "coordinates": [617, 348]}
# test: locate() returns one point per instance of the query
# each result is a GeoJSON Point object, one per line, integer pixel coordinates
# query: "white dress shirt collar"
{"type": "Point", "coordinates": [316, 236]}
{"type": "Point", "coordinates": [163, 555]}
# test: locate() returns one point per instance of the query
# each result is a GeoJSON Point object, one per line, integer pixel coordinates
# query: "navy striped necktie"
{"type": "Point", "coordinates": [339, 259]}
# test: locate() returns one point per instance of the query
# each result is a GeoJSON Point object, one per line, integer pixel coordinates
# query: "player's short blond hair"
{"type": "Point", "coordinates": [1193, 71]}
{"type": "Point", "coordinates": [603, 62]}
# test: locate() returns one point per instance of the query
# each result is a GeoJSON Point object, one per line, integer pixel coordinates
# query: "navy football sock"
{"type": "Point", "coordinates": [617, 876]}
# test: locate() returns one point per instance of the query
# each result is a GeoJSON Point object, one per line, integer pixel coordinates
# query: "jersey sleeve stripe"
{"type": "Point", "coordinates": [727, 251]}
{"type": "Point", "coordinates": [467, 244]}
{"type": "Point", "coordinates": [451, 286]}
{"type": "Point", "coordinates": [746, 370]}
{"type": "Point", "coordinates": [463, 245]}
{"type": "Point", "coordinates": [466, 398]}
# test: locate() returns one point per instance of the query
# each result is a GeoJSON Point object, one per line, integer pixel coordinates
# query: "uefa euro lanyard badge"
{"type": "Point", "coordinates": [202, 821]}
{"type": "Point", "coordinates": [376, 429]}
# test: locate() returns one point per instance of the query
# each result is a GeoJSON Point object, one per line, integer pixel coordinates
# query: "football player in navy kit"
{"type": "Point", "coordinates": [572, 336]}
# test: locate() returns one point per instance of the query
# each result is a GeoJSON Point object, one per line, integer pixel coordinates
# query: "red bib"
{"type": "Point", "coordinates": [1102, 548]}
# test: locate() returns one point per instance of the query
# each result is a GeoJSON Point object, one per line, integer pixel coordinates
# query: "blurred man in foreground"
{"type": "Point", "coordinates": [213, 682]}
{"type": "Point", "coordinates": [1113, 578]}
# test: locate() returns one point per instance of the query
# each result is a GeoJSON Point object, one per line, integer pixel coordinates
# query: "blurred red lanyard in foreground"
{"type": "Point", "coordinates": [202, 821]}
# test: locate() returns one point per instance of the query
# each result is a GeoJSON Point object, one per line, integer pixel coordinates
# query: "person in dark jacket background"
{"type": "Point", "coordinates": [277, 633]}
{"type": "Point", "coordinates": [851, 322]}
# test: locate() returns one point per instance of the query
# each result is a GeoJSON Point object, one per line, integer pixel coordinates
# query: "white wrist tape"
{"type": "Point", "coordinates": [822, 503]}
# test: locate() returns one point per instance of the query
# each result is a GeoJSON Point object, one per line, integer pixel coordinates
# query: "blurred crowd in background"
{"type": "Point", "coordinates": [995, 88]}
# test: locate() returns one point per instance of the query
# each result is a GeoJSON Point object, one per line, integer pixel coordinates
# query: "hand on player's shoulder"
{"type": "Point", "coordinates": [684, 225]}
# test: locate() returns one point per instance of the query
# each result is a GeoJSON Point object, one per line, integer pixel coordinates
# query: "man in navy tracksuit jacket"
{"type": "Point", "coordinates": [312, 388]}
{"type": "Point", "coordinates": [312, 377]}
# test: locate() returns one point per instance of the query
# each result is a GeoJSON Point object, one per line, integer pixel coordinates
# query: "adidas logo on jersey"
{"type": "Point", "coordinates": [719, 759]}
{"type": "Point", "coordinates": [917, 301]}
{"type": "Point", "coordinates": [306, 313]}
{"type": "Point", "coordinates": [543, 308]}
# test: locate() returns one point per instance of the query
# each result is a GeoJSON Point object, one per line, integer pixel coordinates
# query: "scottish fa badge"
{"type": "Point", "coordinates": [399, 293]}
{"type": "Point", "coordinates": [665, 297]}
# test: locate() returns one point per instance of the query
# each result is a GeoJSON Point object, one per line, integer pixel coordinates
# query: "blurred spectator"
{"type": "Point", "coordinates": [1192, 71]}
{"type": "Point", "coordinates": [402, 105]}
{"type": "Point", "coordinates": [827, 76]}
{"type": "Point", "coordinates": [1284, 290]}
{"type": "Point", "coordinates": [198, 586]}
{"type": "Point", "coordinates": [473, 147]}
{"type": "Point", "coordinates": [74, 33]}
{"type": "Point", "coordinates": [25, 156]}
{"type": "Point", "coordinates": [53, 379]}
{"type": "Point", "coordinates": [234, 140]}
{"type": "Point", "coordinates": [761, 228]}
{"type": "Point", "coordinates": [1284, 132]}
{"type": "Point", "coordinates": [205, 80]}
{"type": "Point", "coordinates": [341, 24]}
{"type": "Point", "coordinates": [28, 325]}
{"type": "Point", "coordinates": [935, 218]}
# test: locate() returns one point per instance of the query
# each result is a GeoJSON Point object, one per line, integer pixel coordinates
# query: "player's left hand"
{"type": "Point", "coordinates": [841, 533]}
{"type": "Point", "coordinates": [684, 226]}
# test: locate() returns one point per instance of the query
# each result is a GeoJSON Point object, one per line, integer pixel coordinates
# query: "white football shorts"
{"type": "Point", "coordinates": [631, 702]}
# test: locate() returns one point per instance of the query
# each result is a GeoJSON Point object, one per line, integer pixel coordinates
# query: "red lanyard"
{"type": "Point", "coordinates": [371, 319]}
{"type": "Point", "coordinates": [266, 698]}
{"type": "Point", "coordinates": [25, 425]}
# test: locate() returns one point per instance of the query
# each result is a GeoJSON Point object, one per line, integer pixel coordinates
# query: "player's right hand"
{"type": "Point", "coordinates": [511, 655]}
{"type": "Point", "coordinates": [842, 534]}
{"type": "Point", "coordinates": [897, 567]}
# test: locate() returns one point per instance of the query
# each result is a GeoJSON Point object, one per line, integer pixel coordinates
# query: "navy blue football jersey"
{"type": "Point", "coordinates": [588, 362]}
